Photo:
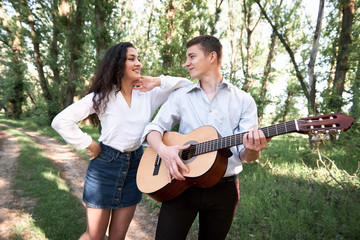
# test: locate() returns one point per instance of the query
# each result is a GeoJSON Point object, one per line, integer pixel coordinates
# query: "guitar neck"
{"type": "Point", "coordinates": [237, 139]}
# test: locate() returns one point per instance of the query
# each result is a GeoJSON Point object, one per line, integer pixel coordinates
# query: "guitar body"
{"type": "Point", "coordinates": [205, 170]}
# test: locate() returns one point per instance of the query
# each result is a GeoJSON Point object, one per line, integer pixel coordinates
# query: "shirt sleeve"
{"type": "Point", "coordinates": [65, 123]}
{"type": "Point", "coordinates": [167, 86]}
{"type": "Point", "coordinates": [167, 117]}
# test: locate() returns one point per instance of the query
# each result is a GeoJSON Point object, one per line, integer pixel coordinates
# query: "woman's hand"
{"type": "Point", "coordinates": [94, 150]}
{"type": "Point", "coordinates": [146, 83]}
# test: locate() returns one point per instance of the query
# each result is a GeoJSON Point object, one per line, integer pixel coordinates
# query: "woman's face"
{"type": "Point", "coordinates": [132, 65]}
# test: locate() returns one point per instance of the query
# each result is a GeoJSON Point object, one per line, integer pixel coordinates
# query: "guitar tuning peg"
{"type": "Point", "coordinates": [315, 136]}
{"type": "Point", "coordinates": [338, 134]}
{"type": "Point", "coordinates": [326, 135]}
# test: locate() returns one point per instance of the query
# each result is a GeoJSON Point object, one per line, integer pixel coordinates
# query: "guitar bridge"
{"type": "Point", "coordinates": [157, 165]}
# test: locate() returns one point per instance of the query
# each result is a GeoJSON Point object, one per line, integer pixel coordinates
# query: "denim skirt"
{"type": "Point", "coordinates": [110, 181]}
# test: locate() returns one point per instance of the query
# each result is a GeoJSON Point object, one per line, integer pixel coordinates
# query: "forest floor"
{"type": "Point", "coordinates": [73, 170]}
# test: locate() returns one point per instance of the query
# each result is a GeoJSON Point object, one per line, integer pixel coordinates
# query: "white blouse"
{"type": "Point", "coordinates": [122, 126]}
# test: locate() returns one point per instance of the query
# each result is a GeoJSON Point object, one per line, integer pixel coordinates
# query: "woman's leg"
{"type": "Point", "coordinates": [97, 222]}
{"type": "Point", "coordinates": [120, 221]}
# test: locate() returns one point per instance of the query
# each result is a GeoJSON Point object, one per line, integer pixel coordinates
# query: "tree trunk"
{"type": "Point", "coordinates": [217, 16]}
{"type": "Point", "coordinates": [103, 10]}
{"type": "Point", "coordinates": [166, 51]}
{"type": "Point", "coordinates": [311, 65]}
{"type": "Point", "coordinates": [75, 39]}
{"type": "Point", "coordinates": [16, 91]}
{"type": "Point", "coordinates": [54, 50]}
{"type": "Point", "coordinates": [289, 50]}
{"type": "Point", "coordinates": [355, 108]}
{"type": "Point", "coordinates": [148, 31]}
{"type": "Point", "coordinates": [37, 55]}
{"type": "Point", "coordinates": [267, 71]}
{"type": "Point", "coordinates": [234, 49]}
{"type": "Point", "coordinates": [342, 60]}
{"type": "Point", "coordinates": [248, 59]}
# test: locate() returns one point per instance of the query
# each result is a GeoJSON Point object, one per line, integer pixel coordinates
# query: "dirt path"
{"type": "Point", "coordinates": [9, 152]}
{"type": "Point", "coordinates": [73, 170]}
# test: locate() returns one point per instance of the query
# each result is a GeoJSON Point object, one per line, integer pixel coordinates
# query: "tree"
{"type": "Point", "coordinates": [266, 78]}
{"type": "Point", "coordinates": [175, 29]}
{"type": "Point", "coordinates": [73, 19]}
{"type": "Point", "coordinates": [311, 65]}
{"type": "Point", "coordinates": [103, 12]}
{"type": "Point", "coordinates": [216, 17]}
{"type": "Point", "coordinates": [247, 58]}
{"type": "Point", "coordinates": [342, 59]}
{"type": "Point", "coordinates": [308, 89]}
{"type": "Point", "coordinates": [14, 72]}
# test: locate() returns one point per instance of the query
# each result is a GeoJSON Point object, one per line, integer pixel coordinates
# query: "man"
{"type": "Point", "coordinates": [212, 101]}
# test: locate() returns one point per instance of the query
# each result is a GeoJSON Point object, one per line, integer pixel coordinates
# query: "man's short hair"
{"type": "Point", "coordinates": [208, 44]}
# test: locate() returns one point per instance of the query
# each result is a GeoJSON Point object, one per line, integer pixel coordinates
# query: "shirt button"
{"type": "Point", "coordinates": [123, 172]}
{"type": "Point", "coordinates": [119, 188]}
{"type": "Point", "coordinates": [117, 199]}
{"type": "Point", "coordinates": [128, 154]}
{"type": "Point", "coordinates": [127, 163]}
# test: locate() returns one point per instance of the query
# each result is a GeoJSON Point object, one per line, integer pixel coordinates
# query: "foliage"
{"type": "Point", "coordinates": [72, 35]}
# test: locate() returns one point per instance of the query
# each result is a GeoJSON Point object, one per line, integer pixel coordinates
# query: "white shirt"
{"type": "Point", "coordinates": [122, 126]}
{"type": "Point", "coordinates": [230, 111]}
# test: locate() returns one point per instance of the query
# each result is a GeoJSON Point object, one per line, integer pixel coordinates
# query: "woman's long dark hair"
{"type": "Point", "coordinates": [109, 73]}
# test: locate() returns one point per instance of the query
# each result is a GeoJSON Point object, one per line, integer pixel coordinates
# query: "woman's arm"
{"type": "Point", "coordinates": [65, 123]}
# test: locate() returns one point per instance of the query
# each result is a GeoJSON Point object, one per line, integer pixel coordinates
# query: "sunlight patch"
{"type": "Point", "coordinates": [25, 228]}
{"type": "Point", "coordinates": [60, 182]}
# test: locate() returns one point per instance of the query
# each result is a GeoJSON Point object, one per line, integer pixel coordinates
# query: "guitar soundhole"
{"type": "Point", "coordinates": [188, 155]}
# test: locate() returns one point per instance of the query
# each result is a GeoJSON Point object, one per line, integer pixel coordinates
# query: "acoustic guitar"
{"type": "Point", "coordinates": [208, 154]}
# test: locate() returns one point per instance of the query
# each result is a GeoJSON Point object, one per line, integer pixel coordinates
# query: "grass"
{"type": "Point", "coordinates": [285, 199]}
{"type": "Point", "coordinates": [288, 194]}
{"type": "Point", "coordinates": [49, 210]}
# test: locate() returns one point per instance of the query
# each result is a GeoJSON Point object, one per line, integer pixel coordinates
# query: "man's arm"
{"type": "Point", "coordinates": [169, 154]}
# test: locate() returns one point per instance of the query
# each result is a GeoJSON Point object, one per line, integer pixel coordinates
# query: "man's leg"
{"type": "Point", "coordinates": [177, 215]}
{"type": "Point", "coordinates": [218, 210]}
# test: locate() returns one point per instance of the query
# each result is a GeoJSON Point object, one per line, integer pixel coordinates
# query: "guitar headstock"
{"type": "Point", "coordinates": [328, 123]}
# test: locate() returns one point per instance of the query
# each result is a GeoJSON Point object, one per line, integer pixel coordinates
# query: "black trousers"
{"type": "Point", "coordinates": [216, 207]}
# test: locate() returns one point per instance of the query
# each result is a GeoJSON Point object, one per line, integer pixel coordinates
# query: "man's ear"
{"type": "Point", "coordinates": [213, 56]}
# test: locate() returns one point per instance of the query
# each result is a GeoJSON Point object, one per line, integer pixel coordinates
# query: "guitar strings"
{"type": "Point", "coordinates": [233, 140]}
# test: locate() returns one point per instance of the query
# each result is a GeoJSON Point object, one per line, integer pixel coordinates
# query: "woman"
{"type": "Point", "coordinates": [121, 101]}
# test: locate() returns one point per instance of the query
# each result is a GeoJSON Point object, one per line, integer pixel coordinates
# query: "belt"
{"type": "Point", "coordinates": [228, 179]}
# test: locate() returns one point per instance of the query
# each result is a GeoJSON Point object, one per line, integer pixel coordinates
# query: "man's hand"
{"type": "Point", "coordinates": [172, 161]}
{"type": "Point", "coordinates": [168, 154]}
{"type": "Point", "coordinates": [254, 141]}
{"type": "Point", "coordinates": [94, 150]}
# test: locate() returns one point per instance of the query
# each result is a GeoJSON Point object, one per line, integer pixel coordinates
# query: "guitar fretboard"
{"type": "Point", "coordinates": [237, 139]}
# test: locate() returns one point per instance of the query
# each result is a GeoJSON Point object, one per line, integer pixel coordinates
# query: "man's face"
{"type": "Point", "coordinates": [196, 61]}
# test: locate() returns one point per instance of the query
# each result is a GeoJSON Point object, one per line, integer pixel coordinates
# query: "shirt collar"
{"type": "Point", "coordinates": [224, 83]}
